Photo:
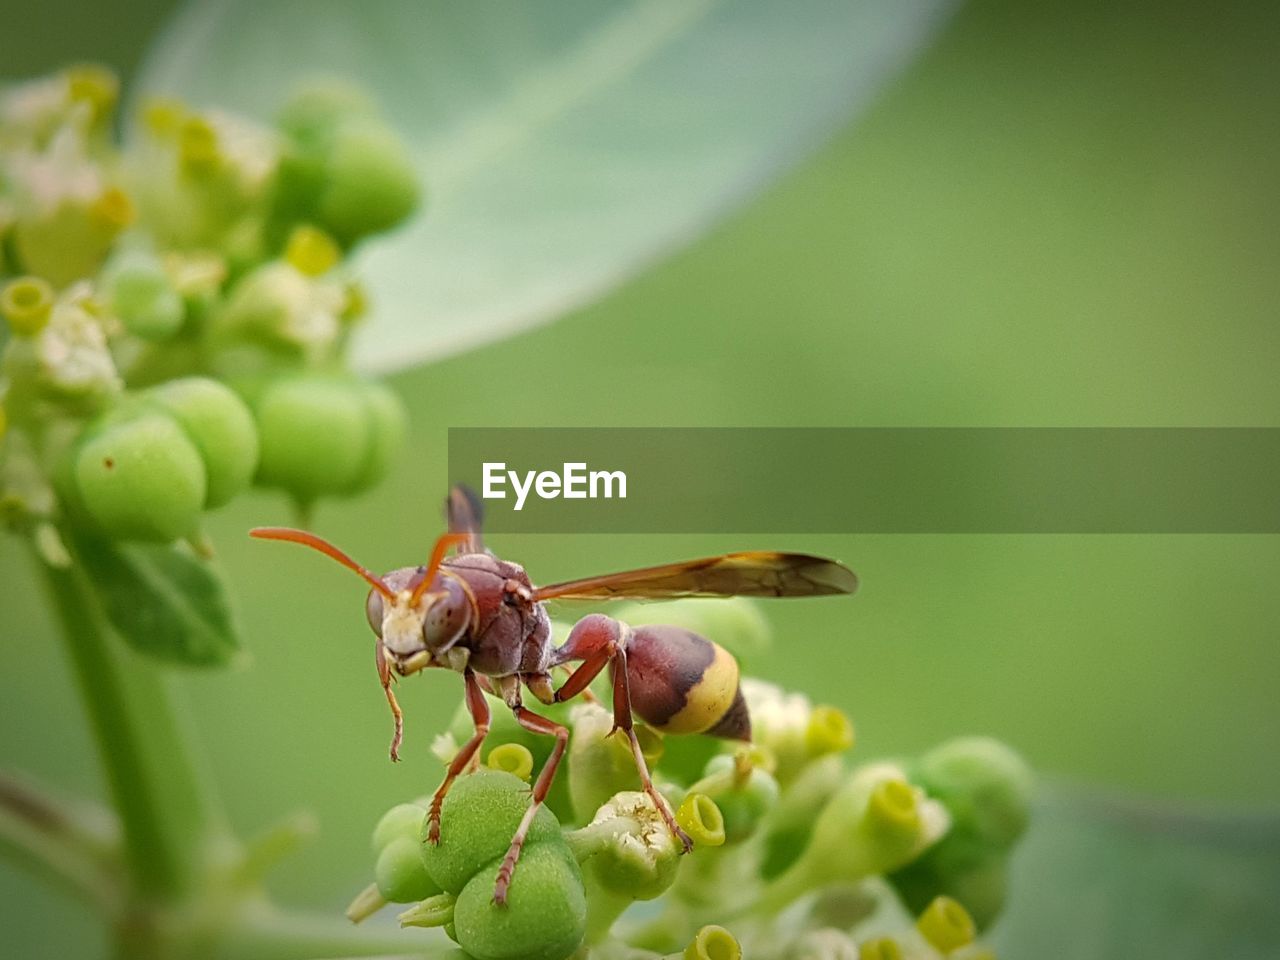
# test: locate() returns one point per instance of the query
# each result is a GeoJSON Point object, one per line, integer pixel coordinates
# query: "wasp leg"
{"type": "Point", "coordinates": [622, 721]}
{"type": "Point", "coordinates": [614, 656]}
{"type": "Point", "coordinates": [479, 708]}
{"type": "Point", "coordinates": [535, 724]}
{"type": "Point", "coordinates": [384, 674]}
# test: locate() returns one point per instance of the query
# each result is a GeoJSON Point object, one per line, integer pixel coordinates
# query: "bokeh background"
{"type": "Point", "coordinates": [1061, 214]}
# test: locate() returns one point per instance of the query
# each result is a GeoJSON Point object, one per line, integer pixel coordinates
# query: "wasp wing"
{"type": "Point", "coordinates": [465, 515]}
{"type": "Point", "coordinates": [756, 573]}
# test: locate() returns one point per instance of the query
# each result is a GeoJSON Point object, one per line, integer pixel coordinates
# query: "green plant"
{"type": "Point", "coordinates": [794, 850]}
{"type": "Point", "coordinates": [177, 314]}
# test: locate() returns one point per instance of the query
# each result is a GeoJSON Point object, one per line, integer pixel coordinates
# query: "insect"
{"type": "Point", "coordinates": [482, 617]}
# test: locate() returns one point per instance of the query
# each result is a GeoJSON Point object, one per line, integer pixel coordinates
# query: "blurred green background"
{"type": "Point", "coordinates": [1062, 214]}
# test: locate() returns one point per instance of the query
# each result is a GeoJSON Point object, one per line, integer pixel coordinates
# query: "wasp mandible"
{"type": "Point", "coordinates": [482, 617]}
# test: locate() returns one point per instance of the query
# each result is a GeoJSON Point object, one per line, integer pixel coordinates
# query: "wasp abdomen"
{"type": "Point", "coordinates": [681, 682]}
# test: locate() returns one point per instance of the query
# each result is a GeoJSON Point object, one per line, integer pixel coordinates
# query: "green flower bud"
{"type": "Point", "coordinates": [946, 925]}
{"type": "Point", "coordinates": [829, 731]}
{"type": "Point", "coordinates": [743, 791]}
{"type": "Point", "coordinates": [479, 818]}
{"type": "Point", "coordinates": [986, 789]}
{"type": "Point", "coordinates": [791, 822]}
{"type": "Point", "coordinates": [434, 911]}
{"type": "Point", "coordinates": [26, 303]}
{"type": "Point", "coordinates": [400, 875]}
{"type": "Point", "coordinates": [545, 916]}
{"type": "Point", "coordinates": [713, 943]}
{"type": "Point", "coordinates": [138, 478]}
{"type": "Point", "coordinates": [66, 360]}
{"type": "Point", "coordinates": [388, 427]}
{"type": "Point", "coordinates": [280, 307]}
{"type": "Point", "coordinates": [985, 785]}
{"type": "Point", "coordinates": [627, 848]}
{"type": "Point", "coordinates": [874, 823]}
{"type": "Point", "coordinates": [512, 758]}
{"type": "Point", "coordinates": [600, 762]}
{"type": "Point", "coordinates": [69, 239]}
{"type": "Point", "coordinates": [402, 820]}
{"type": "Point", "coordinates": [324, 435]}
{"type": "Point", "coordinates": [222, 428]}
{"type": "Point", "coordinates": [370, 185]}
{"type": "Point", "coordinates": [142, 296]}
{"type": "Point", "coordinates": [792, 729]}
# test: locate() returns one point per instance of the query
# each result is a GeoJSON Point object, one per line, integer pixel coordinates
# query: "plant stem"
{"type": "Point", "coordinates": [59, 844]}
{"type": "Point", "coordinates": [155, 791]}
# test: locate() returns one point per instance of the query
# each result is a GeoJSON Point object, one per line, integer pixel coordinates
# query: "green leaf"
{"type": "Point", "coordinates": [1103, 878]}
{"type": "Point", "coordinates": [163, 601]}
{"type": "Point", "coordinates": [564, 145]}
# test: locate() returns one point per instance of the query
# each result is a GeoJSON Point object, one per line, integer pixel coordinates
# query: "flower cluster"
{"type": "Point", "coordinates": [178, 307]}
{"type": "Point", "coordinates": [798, 855]}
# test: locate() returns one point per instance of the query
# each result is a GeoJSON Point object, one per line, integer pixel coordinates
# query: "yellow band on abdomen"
{"type": "Point", "coordinates": [709, 699]}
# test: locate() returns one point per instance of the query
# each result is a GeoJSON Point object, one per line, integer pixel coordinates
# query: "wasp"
{"type": "Point", "coordinates": [481, 616]}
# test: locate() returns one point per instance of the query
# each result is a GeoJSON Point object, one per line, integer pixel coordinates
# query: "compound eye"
{"type": "Point", "coordinates": [373, 610]}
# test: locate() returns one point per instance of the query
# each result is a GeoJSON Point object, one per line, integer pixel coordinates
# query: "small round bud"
{"type": "Point", "coordinates": [222, 428]}
{"type": "Point", "coordinates": [946, 925]}
{"type": "Point", "coordinates": [402, 820]}
{"type": "Point", "coordinates": [744, 793]}
{"type": "Point", "coordinates": [311, 251]}
{"type": "Point", "coordinates": [829, 731]}
{"type": "Point", "coordinates": [545, 915]}
{"type": "Point", "coordinates": [881, 948]}
{"type": "Point", "coordinates": [713, 943]}
{"type": "Point", "coordinates": [141, 294]}
{"type": "Point", "coordinates": [316, 437]}
{"type": "Point", "coordinates": [400, 875]}
{"type": "Point", "coordinates": [387, 426]}
{"type": "Point", "coordinates": [479, 817]}
{"type": "Point", "coordinates": [986, 786]}
{"type": "Point", "coordinates": [893, 808]}
{"type": "Point", "coordinates": [700, 818]}
{"type": "Point", "coordinates": [512, 758]}
{"type": "Point", "coordinates": [26, 303]}
{"type": "Point", "coordinates": [370, 185]}
{"type": "Point", "coordinates": [139, 479]}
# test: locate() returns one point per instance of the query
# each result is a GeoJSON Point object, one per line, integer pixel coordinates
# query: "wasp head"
{"type": "Point", "coordinates": [418, 617]}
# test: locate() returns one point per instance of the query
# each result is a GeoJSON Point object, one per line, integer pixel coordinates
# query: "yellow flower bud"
{"type": "Point", "coordinates": [514, 758]}
{"type": "Point", "coordinates": [312, 251]}
{"type": "Point", "coordinates": [946, 925]}
{"type": "Point", "coordinates": [713, 943]}
{"type": "Point", "coordinates": [26, 303]}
